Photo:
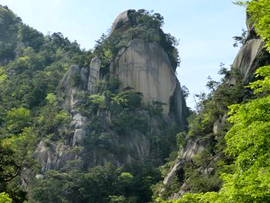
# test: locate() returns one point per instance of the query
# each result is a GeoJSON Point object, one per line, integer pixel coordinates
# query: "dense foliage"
{"type": "Point", "coordinates": [259, 11]}
{"type": "Point", "coordinates": [247, 140]}
{"type": "Point", "coordinates": [98, 184]}
{"type": "Point", "coordinates": [31, 111]}
{"type": "Point", "coordinates": [30, 67]}
{"type": "Point", "coordinates": [202, 172]}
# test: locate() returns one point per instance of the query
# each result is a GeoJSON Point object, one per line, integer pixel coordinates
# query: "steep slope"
{"type": "Point", "coordinates": [126, 107]}
{"type": "Point", "coordinates": [30, 67]}
{"type": "Point", "coordinates": [110, 121]}
{"type": "Point", "coordinates": [202, 158]}
{"type": "Point", "coordinates": [144, 72]}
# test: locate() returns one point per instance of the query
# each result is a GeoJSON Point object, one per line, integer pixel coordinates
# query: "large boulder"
{"type": "Point", "coordinates": [123, 21]}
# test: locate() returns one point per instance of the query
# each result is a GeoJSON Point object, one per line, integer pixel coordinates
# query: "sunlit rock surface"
{"type": "Point", "coordinates": [247, 56]}
{"type": "Point", "coordinates": [145, 67]}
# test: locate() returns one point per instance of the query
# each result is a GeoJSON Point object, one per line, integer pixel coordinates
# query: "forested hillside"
{"type": "Point", "coordinates": [232, 128]}
{"type": "Point", "coordinates": [111, 124]}
{"type": "Point", "coordinates": [73, 129]}
{"type": "Point", "coordinates": [31, 66]}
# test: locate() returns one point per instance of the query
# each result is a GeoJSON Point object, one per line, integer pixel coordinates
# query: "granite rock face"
{"type": "Point", "coordinates": [53, 156]}
{"type": "Point", "coordinates": [68, 85]}
{"type": "Point", "coordinates": [141, 65]}
{"type": "Point", "coordinates": [246, 58]}
{"type": "Point", "coordinates": [252, 54]}
{"type": "Point", "coordinates": [123, 21]}
{"type": "Point", "coordinates": [93, 75]}
{"type": "Point", "coordinates": [192, 148]}
{"type": "Point", "coordinates": [146, 68]}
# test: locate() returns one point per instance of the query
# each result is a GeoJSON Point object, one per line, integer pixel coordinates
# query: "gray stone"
{"type": "Point", "coordinates": [245, 58]}
{"type": "Point", "coordinates": [78, 137]}
{"type": "Point", "coordinates": [84, 77]}
{"type": "Point", "coordinates": [68, 86]}
{"type": "Point", "coordinates": [93, 75]}
{"type": "Point", "coordinates": [44, 156]}
{"type": "Point", "coordinates": [39, 176]}
{"type": "Point", "coordinates": [231, 81]}
{"type": "Point", "coordinates": [53, 156]}
{"type": "Point", "coordinates": [122, 22]}
{"type": "Point", "coordinates": [191, 149]}
{"type": "Point", "coordinates": [145, 67]}
{"type": "Point", "coordinates": [78, 121]}
{"type": "Point", "coordinates": [178, 108]}
{"type": "Point", "coordinates": [75, 97]}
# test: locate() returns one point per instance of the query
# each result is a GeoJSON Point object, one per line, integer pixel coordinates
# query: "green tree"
{"type": "Point", "coordinates": [259, 12]}
{"type": "Point", "coordinates": [4, 198]}
{"type": "Point", "coordinates": [249, 138]}
{"type": "Point", "coordinates": [17, 119]}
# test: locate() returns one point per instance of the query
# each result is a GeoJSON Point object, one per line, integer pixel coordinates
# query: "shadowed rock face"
{"type": "Point", "coordinates": [146, 68]}
{"type": "Point", "coordinates": [252, 54]}
{"type": "Point", "coordinates": [245, 59]}
{"type": "Point", "coordinates": [69, 87]}
{"type": "Point", "coordinates": [123, 21]}
{"type": "Point", "coordinates": [93, 75]}
{"type": "Point", "coordinates": [192, 148]}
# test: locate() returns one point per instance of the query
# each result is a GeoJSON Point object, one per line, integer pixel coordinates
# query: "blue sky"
{"type": "Point", "coordinates": [205, 28]}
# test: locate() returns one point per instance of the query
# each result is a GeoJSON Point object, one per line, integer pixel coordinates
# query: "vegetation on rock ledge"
{"type": "Point", "coordinates": [247, 140]}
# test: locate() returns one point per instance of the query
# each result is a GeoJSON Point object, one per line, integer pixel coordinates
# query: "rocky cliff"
{"type": "Point", "coordinates": [251, 55]}
{"type": "Point", "coordinates": [87, 126]}
{"type": "Point", "coordinates": [97, 97]}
